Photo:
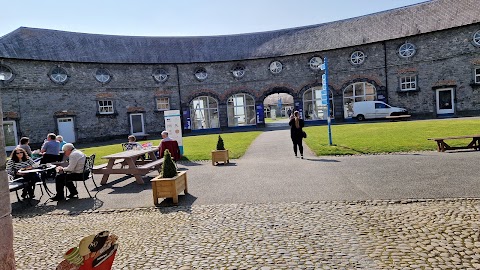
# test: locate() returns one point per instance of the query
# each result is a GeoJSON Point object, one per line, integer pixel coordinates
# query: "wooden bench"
{"type": "Point", "coordinates": [399, 117]}
{"type": "Point", "coordinates": [152, 164]}
{"type": "Point", "coordinates": [443, 146]}
{"type": "Point", "coordinates": [104, 165]}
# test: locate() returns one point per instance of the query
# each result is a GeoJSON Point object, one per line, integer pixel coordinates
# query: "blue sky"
{"type": "Point", "coordinates": [182, 17]}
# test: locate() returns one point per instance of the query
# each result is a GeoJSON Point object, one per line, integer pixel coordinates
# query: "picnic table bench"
{"type": "Point", "coordinates": [443, 146]}
{"type": "Point", "coordinates": [130, 164]}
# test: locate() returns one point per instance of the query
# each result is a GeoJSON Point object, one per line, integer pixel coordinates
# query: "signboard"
{"type": "Point", "coordinates": [173, 126]}
{"type": "Point", "coordinates": [260, 113]}
{"type": "Point", "coordinates": [187, 123]}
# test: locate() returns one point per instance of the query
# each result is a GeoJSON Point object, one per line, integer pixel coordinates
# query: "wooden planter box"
{"type": "Point", "coordinates": [220, 155]}
{"type": "Point", "coordinates": [169, 187]}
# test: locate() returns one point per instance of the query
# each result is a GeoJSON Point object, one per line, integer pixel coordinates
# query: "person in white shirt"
{"type": "Point", "coordinates": [165, 137]}
{"type": "Point", "coordinates": [73, 172]}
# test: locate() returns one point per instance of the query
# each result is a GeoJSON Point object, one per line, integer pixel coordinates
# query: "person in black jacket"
{"type": "Point", "coordinates": [296, 132]}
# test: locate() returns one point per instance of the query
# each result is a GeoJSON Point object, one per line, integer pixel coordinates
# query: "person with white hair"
{"type": "Point", "coordinates": [73, 172]}
{"type": "Point", "coordinates": [61, 141]}
{"type": "Point", "coordinates": [165, 137]}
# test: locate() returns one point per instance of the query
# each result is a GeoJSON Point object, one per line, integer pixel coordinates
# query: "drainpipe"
{"type": "Point", "coordinates": [180, 98]}
{"type": "Point", "coordinates": [386, 70]}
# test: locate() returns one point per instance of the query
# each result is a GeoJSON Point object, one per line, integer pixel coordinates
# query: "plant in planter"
{"type": "Point", "coordinates": [170, 182]}
{"type": "Point", "coordinates": [169, 169]}
{"type": "Point", "coordinates": [221, 154]}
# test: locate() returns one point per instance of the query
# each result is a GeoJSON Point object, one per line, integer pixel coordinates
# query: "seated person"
{"type": "Point", "coordinates": [50, 149]}
{"type": "Point", "coordinates": [24, 145]}
{"type": "Point", "coordinates": [165, 136]}
{"type": "Point", "coordinates": [61, 141]}
{"type": "Point", "coordinates": [19, 160]}
{"type": "Point", "coordinates": [170, 144]}
{"type": "Point", "coordinates": [132, 143]}
{"type": "Point", "coordinates": [73, 172]}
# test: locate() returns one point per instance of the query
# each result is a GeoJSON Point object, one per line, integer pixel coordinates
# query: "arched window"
{"type": "Point", "coordinates": [315, 105]}
{"type": "Point", "coordinates": [204, 113]}
{"type": "Point", "coordinates": [361, 91]}
{"type": "Point", "coordinates": [241, 110]}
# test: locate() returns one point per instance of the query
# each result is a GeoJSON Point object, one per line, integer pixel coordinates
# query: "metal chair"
{"type": "Point", "coordinates": [87, 173]}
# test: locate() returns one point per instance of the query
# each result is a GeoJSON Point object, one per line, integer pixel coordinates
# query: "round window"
{"type": "Point", "coordinates": [160, 75]}
{"type": "Point", "coordinates": [315, 63]}
{"type": "Point", "coordinates": [476, 38]}
{"type": "Point", "coordinates": [276, 67]}
{"type": "Point", "coordinates": [407, 50]}
{"type": "Point", "coordinates": [102, 75]}
{"type": "Point", "coordinates": [357, 57]}
{"type": "Point", "coordinates": [238, 71]}
{"type": "Point", "coordinates": [201, 74]}
{"type": "Point", "coordinates": [6, 73]}
{"type": "Point", "coordinates": [59, 75]}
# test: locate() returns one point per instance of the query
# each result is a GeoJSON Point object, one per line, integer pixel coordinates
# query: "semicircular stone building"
{"type": "Point", "coordinates": [423, 57]}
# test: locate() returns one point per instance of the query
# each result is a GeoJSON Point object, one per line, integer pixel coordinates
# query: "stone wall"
{"type": "Point", "coordinates": [443, 59]}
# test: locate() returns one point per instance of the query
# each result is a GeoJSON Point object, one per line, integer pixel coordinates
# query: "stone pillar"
{"type": "Point", "coordinates": [7, 258]}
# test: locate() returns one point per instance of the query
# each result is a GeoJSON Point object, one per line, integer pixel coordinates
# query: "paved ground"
{"type": "Point", "coordinates": [270, 210]}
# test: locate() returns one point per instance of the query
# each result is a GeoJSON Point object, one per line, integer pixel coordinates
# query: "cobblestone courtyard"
{"type": "Point", "coordinates": [425, 234]}
{"type": "Point", "coordinates": [270, 210]}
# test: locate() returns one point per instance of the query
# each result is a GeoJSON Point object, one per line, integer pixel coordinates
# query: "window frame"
{"type": "Point", "coordinates": [357, 57]}
{"type": "Point", "coordinates": [235, 109]}
{"type": "Point", "coordinates": [407, 50]}
{"type": "Point", "coordinates": [402, 83]}
{"type": "Point", "coordinates": [201, 74]}
{"type": "Point", "coordinates": [476, 75]}
{"type": "Point", "coordinates": [157, 99]}
{"type": "Point", "coordinates": [7, 70]}
{"type": "Point", "coordinates": [312, 104]}
{"type": "Point", "coordinates": [238, 71]}
{"type": "Point", "coordinates": [100, 106]}
{"type": "Point", "coordinates": [275, 67]}
{"type": "Point", "coordinates": [315, 63]}
{"type": "Point", "coordinates": [160, 75]}
{"type": "Point", "coordinates": [476, 38]}
{"type": "Point", "coordinates": [102, 73]}
{"type": "Point", "coordinates": [53, 76]}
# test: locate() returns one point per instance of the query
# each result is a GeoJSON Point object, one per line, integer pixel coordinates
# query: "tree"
{"type": "Point", "coordinates": [169, 169]}
{"type": "Point", "coordinates": [220, 145]}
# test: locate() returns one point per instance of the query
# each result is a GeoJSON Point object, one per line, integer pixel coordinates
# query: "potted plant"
{"type": "Point", "coordinates": [170, 182]}
{"type": "Point", "coordinates": [221, 154]}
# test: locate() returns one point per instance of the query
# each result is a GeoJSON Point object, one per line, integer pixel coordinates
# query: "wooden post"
{"type": "Point", "coordinates": [7, 256]}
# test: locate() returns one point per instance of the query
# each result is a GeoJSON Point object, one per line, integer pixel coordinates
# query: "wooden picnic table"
{"type": "Point", "coordinates": [442, 146]}
{"type": "Point", "coordinates": [137, 168]}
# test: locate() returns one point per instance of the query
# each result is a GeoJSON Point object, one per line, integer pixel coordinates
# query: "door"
{"type": "Point", "coordinates": [10, 132]}
{"type": "Point", "coordinates": [382, 110]}
{"type": "Point", "coordinates": [137, 124]}
{"type": "Point", "coordinates": [66, 128]}
{"type": "Point", "coordinates": [445, 101]}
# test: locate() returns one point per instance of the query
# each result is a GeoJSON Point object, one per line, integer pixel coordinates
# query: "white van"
{"type": "Point", "coordinates": [375, 109]}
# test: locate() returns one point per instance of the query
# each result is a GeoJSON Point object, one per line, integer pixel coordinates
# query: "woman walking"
{"type": "Point", "coordinates": [296, 132]}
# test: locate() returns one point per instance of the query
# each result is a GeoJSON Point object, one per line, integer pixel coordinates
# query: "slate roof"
{"type": "Point", "coordinates": [53, 45]}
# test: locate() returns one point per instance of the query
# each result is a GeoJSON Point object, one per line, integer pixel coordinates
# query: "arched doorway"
{"type": "Point", "coordinates": [315, 105]}
{"type": "Point", "coordinates": [360, 91]}
{"type": "Point", "coordinates": [277, 109]}
{"type": "Point", "coordinates": [241, 110]}
{"type": "Point", "coordinates": [204, 113]}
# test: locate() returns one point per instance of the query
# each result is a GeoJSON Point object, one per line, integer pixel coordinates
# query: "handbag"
{"type": "Point", "coordinates": [304, 134]}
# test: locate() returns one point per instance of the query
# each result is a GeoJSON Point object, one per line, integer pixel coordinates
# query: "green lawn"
{"type": "Point", "coordinates": [348, 139]}
{"type": "Point", "coordinates": [387, 137]}
{"type": "Point", "coordinates": [195, 147]}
